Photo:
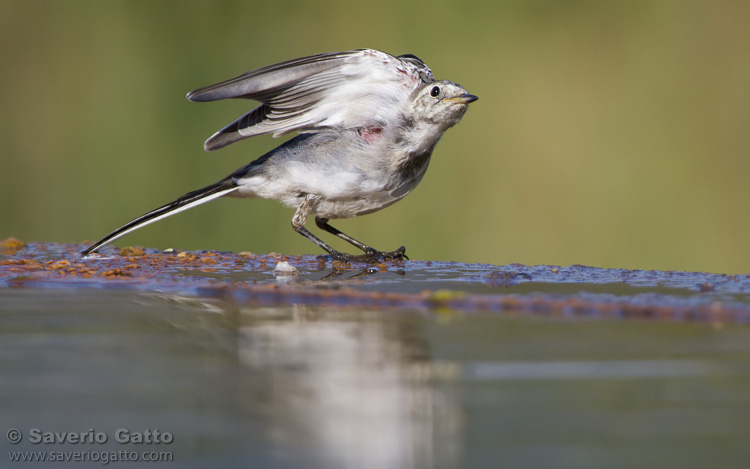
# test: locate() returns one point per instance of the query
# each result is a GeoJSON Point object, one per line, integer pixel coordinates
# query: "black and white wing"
{"type": "Point", "coordinates": [359, 88]}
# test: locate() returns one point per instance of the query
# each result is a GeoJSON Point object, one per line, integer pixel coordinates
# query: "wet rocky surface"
{"type": "Point", "coordinates": [276, 279]}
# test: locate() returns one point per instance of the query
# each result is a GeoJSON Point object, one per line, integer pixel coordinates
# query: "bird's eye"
{"type": "Point", "coordinates": [435, 91]}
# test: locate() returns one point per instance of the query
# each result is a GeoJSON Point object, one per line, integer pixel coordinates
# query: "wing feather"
{"type": "Point", "coordinates": [340, 89]}
{"type": "Point", "coordinates": [268, 79]}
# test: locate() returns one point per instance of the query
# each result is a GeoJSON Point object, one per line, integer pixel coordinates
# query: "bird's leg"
{"type": "Point", "coordinates": [298, 223]}
{"type": "Point", "coordinates": [370, 253]}
{"type": "Point", "coordinates": [323, 225]}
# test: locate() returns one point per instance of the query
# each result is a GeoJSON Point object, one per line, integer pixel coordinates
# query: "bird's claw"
{"type": "Point", "coordinates": [372, 256]}
{"type": "Point", "coordinates": [397, 255]}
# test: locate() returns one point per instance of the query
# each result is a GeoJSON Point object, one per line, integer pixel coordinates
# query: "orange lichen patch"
{"type": "Point", "coordinates": [59, 265]}
{"type": "Point", "coordinates": [187, 257]}
{"type": "Point", "coordinates": [11, 245]}
{"type": "Point", "coordinates": [117, 272]}
{"type": "Point", "coordinates": [22, 265]}
{"type": "Point", "coordinates": [340, 265]}
{"type": "Point", "coordinates": [14, 262]}
{"type": "Point", "coordinates": [131, 251]}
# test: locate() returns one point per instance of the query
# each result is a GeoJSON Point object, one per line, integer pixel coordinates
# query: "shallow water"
{"type": "Point", "coordinates": [242, 377]}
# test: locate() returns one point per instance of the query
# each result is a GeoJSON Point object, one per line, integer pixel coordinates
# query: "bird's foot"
{"type": "Point", "coordinates": [397, 255]}
{"type": "Point", "coordinates": [372, 256]}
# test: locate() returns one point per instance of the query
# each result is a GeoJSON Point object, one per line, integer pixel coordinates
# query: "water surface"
{"type": "Point", "coordinates": [325, 387]}
{"type": "Point", "coordinates": [412, 365]}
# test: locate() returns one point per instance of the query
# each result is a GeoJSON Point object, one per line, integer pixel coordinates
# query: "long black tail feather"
{"type": "Point", "coordinates": [187, 201]}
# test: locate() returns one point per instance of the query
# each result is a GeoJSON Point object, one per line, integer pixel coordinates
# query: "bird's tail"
{"type": "Point", "coordinates": [187, 201]}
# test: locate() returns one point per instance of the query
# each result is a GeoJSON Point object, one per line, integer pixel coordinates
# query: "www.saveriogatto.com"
{"type": "Point", "coordinates": [152, 438]}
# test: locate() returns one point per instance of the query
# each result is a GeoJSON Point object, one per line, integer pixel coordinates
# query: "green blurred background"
{"type": "Point", "coordinates": [611, 134]}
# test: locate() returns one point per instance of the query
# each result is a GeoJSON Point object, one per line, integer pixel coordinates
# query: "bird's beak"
{"type": "Point", "coordinates": [463, 99]}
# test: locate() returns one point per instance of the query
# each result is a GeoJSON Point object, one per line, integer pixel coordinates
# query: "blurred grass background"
{"type": "Point", "coordinates": [611, 134]}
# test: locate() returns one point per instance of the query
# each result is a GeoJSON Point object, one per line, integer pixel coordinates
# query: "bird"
{"type": "Point", "coordinates": [367, 123]}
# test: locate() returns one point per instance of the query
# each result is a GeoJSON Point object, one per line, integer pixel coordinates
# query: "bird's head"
{"type": "Point", "coordinates": [442, 103]}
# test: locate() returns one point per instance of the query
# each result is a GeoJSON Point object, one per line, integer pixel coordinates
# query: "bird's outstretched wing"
{"type": "Point", "coordinates": [359, 88]}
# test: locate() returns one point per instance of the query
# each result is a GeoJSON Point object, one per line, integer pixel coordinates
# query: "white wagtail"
{"type": "Point", "coordinates": [367, 123]}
